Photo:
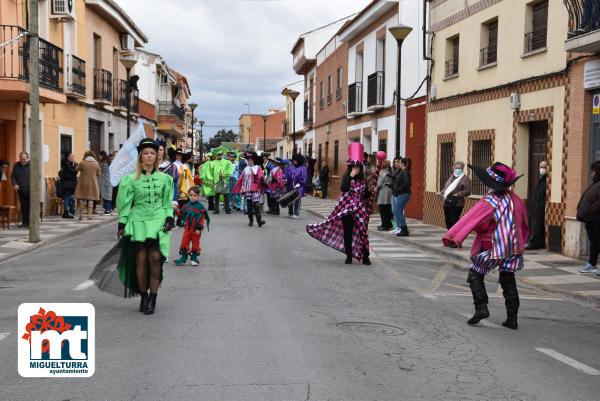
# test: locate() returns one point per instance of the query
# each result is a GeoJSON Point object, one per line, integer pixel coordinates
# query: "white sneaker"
{"type": "Point", "coordinates": [193, 263]}
{"type": "Point", "coordinates": [588, 269]}
{"type": "Point", "coordinates": [394, 231]}
{"type": "Point", "coordinates": [295, 217]}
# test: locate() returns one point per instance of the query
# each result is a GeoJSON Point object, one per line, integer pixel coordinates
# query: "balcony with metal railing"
{"type": "Point", "coordinates": [584, 26]}
{"type": "Point", "coordinates": [375, 91]}
{"type": "Point", "coordinates": [451, 68]}
{"type": "Point", "coordinates": [488, 56]}
{"type": "Point", "coordinates": [171, 119]}
{"type": "Point", "coordinates": [14, 67]}
{"type": "Point", "coordinates": [355, 91]}
{"type": "Point", "coordinates": [75, 77]}
{"type": "Point", "coordinates": [103, 86]}
{"type": "Point", "coordinates": [535, 40]}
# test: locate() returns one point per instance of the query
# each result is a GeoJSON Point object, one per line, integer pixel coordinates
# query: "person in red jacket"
{"type": "Point", "coordinates": [499, 221]}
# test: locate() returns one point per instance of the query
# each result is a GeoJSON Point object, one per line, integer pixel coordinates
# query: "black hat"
{"type": "Point", "coordinates": [171, 154]}
{"type": "Point", "coordinates": [498, 176]}
{"type": "Point", "coordinates": [147, 143]}
{"type": "Point", "coordinates": [299, 159]}
{"type": "Point", "coordinates": [179, 151]}
{"type": "Point", "coordinates": [231, 154]}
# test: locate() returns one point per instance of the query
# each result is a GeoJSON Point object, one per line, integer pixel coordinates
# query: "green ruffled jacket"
{"type": "Point", "coordinates": [144, 204]}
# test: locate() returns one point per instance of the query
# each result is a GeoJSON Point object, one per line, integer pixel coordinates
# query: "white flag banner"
{"type": "Point", "coordinates": [126, 159]}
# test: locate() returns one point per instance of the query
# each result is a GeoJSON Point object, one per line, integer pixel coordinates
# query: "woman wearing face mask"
{"type": "Point", "coordinates": [588, 211]}
{"type": "Point", "coordinates": [537, 211]}
{"type": "Point", "coordinates": [456, 189]}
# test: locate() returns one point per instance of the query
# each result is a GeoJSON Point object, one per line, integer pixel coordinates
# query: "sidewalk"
{"type": "Point", "coordinates": [14, 241]}
{"type": "Point", "coordinates": [547, 270]}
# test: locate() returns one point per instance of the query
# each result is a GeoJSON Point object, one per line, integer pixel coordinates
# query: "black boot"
{"type": "Point", "coordinates": [217, 205]}
{"type": "Point", "coordinates": [366, 261]}
{"type": "Point", "coordinates": [251, 220]}
{"type": "Point", "coordinates": [259, 219]}
{"type": "Point", "coordinates": [480, 297]}
{"type": "Point", "coordinates": [151, 304]}
{"type": "Point", "coordinates": [403, 232]}
{"type": "Point", "coordinates": [511, 299]}
{"type": "Point", "coordinates": [143, 301]}
{"type": "Point", "coordinates": [348, 259]}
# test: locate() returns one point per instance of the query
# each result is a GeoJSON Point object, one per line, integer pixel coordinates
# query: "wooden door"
{"type": "Point", "coordinates": [538, 152]}
{"type": "Point", "coordinates": [415, 151]}
{"type": "Point", "coordinates": [5, 186]}
{"type": "Point", "coordinates": [94, 136]}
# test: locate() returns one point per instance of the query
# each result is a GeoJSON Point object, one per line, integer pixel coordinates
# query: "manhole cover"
{"type": "Point", "coordinates": [372, 328]}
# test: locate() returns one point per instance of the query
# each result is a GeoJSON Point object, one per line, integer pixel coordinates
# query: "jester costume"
{"type": "Point", "coordinates": [222, 170]}
{"type": "Point", "coordinates": [194, 216]}
{"type": "Point", "coordinates": [499, 221]}
{"type": "Point", "coordinates": [347, 227]}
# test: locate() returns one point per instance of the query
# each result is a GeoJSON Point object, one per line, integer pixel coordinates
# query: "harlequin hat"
{"type": "Point", "coordinates": [231, 154]}
{"type": "Point", "coordinates": [147, 143]}
{"type": "Point", "coordinates": [498, 176]}
{"type": "Point", "coordinates": [355, 154]}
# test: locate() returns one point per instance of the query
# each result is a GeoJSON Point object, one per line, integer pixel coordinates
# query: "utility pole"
{"type": "Point", "coordinates": [35, 133]}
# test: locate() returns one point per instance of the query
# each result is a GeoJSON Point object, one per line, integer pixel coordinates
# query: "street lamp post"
{"type": "Point", "coordinates": [202, 122]}
{"type": "Point", "coordinates": [264, 117]}
{"type": "Point", "coordinates": [128, 59]}
{"type": "Point", "coordinates": [293, 95]}
{"type": "Point", "coordinates": [400, 32]}
{"type": "Point", "coordinates": [193, 107]}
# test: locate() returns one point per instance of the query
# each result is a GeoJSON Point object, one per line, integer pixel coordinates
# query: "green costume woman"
{"type": "Point", "coordinates": [145, 204]}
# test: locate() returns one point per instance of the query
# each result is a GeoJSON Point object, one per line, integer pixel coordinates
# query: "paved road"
{"type": "Point", "coordinates": [272, 315]}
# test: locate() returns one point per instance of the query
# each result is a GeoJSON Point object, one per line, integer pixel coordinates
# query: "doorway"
{"type": "Point", "coordinates": [594, 134]}
{"type": "Point", "coordinates": [538, 152]}
{"type": "Point", "coordinates": [95, 136]}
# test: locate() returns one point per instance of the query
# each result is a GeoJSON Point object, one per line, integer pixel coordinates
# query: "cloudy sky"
{"type": "Point", "coordinates": [234, 52]}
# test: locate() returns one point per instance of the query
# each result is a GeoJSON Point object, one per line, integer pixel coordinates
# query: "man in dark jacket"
{"type": "Point", "coordinates": [537, 211]}
{"type": "Point", "coordinates": [20, 181]}
{"type": "Point", "coordinates": [68, 182]}
{"type": "Point", "coordinates": [588, 212]}
{"type": "Point", "coordinates": [324, 180]}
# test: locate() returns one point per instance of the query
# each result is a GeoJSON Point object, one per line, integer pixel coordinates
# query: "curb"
{"type": "Point", "coordinates": [460, 260]}
{"type": "Point", "coordinates": [56, 239]}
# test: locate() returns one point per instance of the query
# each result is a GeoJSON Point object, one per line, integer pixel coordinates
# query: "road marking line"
{"type": "Point", "coordinates": [440, 276]}
{"type": "Point", "coordinates": [3, 336]}
{"type": "Point", "coordinates": [497, 296]}
{"type": "Point", "coordinates": [427, 295]}
{"type": "Point", "coordinates": [483, 322]}
{"type": "Point", "coordinates": [84, 285]}
{"type": "Point", "coordinates": [569, 361]}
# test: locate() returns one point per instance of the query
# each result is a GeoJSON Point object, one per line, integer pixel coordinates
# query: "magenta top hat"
{"type": "Point", "coordinates": [355, 153]}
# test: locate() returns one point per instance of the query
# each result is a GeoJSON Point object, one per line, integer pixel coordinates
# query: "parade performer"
{"type": "Point", "coordinates": [145, 210]}
{"type": "Point", "coordinates": [347, 227]}
{"type": "Point", "coordinates": [499, 221]}
{"type": "Point", "coordinates": [251, 184]}
{"type": "Point", "coordinates": [295, 178]}
{"type": "Point", "coordinates": [276, 184]}
{"type": "Point", "coordinates": [166, 165]}
{"type": "Point", "coordinates": [194, 216]}
{"type": "Point", "coordinates": [234, 201]}
{"type": "Point", "coordinates": [186, 179]}
{"type": "Point", "coordinates": [222, 170]}
{"type": "Point", "coordinates": [207, 177]}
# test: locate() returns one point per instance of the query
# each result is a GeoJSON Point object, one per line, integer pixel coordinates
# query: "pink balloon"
{"type": "Point", "coordinates": [381, 155]}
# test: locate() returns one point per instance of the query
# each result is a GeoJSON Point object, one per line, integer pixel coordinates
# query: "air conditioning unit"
{"type": "Point", "coordinates": [62, 9]}
{"type": "Point", "coordinates": [127, 42]}
{"type": "Point", "coordinates": [433, 92]}
{"type": "Point", "coordinates": [515, 101]}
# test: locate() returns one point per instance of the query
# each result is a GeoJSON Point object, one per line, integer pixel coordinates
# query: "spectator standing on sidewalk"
{"type": "Point", "coordinates": [401, 190]}
{"type": "Point", "coordinates": [87, 190]}
{"type": "Point", "coordinates": [105, 185]}
{"type": "Point", "coordinates": [588, 211]}
{"type": "Point", "coordinates": [456, 189]}
{"type": "Point", "coordinates": [384, 196]}
{"type": "Point", "coordinates": [68, 182]}
{"type": "Point", "coordinates": [20, 181]}
{"type": "Point", "coordinates": [537, 211]}
{"type": "Point", "coordinates": [324, 180]}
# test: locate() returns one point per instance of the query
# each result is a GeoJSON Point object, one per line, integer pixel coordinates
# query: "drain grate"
{"type": "Point", "coordinates": [372, 328]}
